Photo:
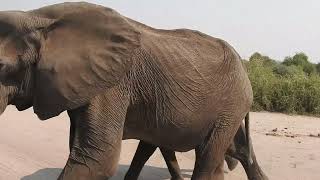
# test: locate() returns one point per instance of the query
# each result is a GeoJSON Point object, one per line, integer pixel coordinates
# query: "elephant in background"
{"type": "Point", "coordinates": [119, 79]}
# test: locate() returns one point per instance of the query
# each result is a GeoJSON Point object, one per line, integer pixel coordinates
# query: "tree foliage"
{"type": "Point", "coordinates": [291, 86]}
{"type": "Point", "coordinates": [300, 59]}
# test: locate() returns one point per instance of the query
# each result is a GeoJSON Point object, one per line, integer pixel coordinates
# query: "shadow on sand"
{"type": "Point", "coordinates": [44, 174]}
{"type": "Point", "coordinates": [148, 173]}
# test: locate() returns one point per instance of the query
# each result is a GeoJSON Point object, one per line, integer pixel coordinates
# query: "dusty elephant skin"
{"type": "Point", "coordinates": [119, 79]}
{"type": "Point", "coordinates": [241, 149]}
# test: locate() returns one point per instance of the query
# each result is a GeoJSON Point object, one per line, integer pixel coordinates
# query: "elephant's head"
{"type": "Point", "coordinates": [56, 58]}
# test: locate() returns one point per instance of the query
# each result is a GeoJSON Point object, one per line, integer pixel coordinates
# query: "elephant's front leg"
{"type": "Point", "coordinates": [97, 140]}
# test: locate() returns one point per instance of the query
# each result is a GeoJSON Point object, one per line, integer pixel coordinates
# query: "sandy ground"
{"type": "Point", "coordinates": [34, 150]}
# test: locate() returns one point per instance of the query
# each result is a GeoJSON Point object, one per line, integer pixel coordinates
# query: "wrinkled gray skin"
{"type": "Point", "coordinates": [119, 79]}
{"type": "Point", "coordinates": [241, 149]}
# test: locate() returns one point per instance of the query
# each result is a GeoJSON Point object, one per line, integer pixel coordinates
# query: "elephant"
{"type": "Point", "coordinates": [120, 79]}
{"type": "Point", "coordinates": [241, 149]}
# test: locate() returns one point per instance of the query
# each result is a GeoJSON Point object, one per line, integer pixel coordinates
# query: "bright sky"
{"type": "Point", "coordinates": [276, 28]}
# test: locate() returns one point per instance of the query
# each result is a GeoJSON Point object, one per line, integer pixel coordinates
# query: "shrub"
{"type": "Point", "coordinates": [301, 59]}
{"type": "Point", "coordinates": [290, 87]}
{"type": "Point", "coordinates": [262, 79]}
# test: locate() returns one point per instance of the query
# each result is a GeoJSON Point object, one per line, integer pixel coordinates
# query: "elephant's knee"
{"type": "Point", "coordinates": [111, 171]}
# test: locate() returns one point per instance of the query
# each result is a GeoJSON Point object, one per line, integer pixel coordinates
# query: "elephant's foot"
{"type": "Point", "coordinates": [172, 164]}
{"type": "Point", "coordinates": [254, 172]}
{"type": "Point", "coordinates": [177, 178]}
{"type": "Point", "coordinates": [218, 174]}
{"type": "Point", "coordinates": [81, 172]}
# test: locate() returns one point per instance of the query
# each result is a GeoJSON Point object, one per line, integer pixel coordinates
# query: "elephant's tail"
{"type": "Point", "coordinates": [246, 122]}
{"type": "Point", "coordinates": [247, 131]}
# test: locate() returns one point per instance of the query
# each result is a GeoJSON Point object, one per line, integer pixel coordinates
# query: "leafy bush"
{"type": "Point", "coordinates": [292, 86]}
{"type": "Point", "coordinates": [300, 59]}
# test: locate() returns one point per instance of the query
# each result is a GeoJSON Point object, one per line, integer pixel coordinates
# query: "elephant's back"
{"type": "Point", "coordinates": [190, 68]}
{"type": "Point", "coordinates": [192, 57]}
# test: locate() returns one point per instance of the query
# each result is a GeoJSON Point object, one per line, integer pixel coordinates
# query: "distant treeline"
{"type": "Point", "coordinates": [290, 86]}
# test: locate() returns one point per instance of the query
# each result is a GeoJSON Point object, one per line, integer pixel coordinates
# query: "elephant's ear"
{"type": "Point", "coordinates": [82, 54]}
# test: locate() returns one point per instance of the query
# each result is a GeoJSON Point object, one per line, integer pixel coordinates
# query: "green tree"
{"type": "Point", "coordinates": [300, 59]}
{"type": "Point", "coordinates": [255, 56]}
{"type": "Point", "coordinates": [266, 60]}
{"type": "Point", "coordinates": [291, 86]}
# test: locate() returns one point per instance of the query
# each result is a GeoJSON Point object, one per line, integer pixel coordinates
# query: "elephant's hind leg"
{"type": "Point", "coordinates": [209, 165]}
{"type": "Point", "coordinates": [143, 153]}
{"type": "Point", "coordinates": [210, 154]}
{"type": "Point", "coordinates": [244, 152]}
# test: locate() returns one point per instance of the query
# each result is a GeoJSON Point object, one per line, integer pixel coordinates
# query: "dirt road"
{"type": "Point", "coordinates": [287, 147]}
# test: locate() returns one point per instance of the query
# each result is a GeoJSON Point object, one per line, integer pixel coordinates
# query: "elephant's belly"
{"type": "Point", "coordinates": [181, 142]}
{"type": "Point", "coordinates": [181, 138]}
{"type": "Point", "coordinates": [171, 140]}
